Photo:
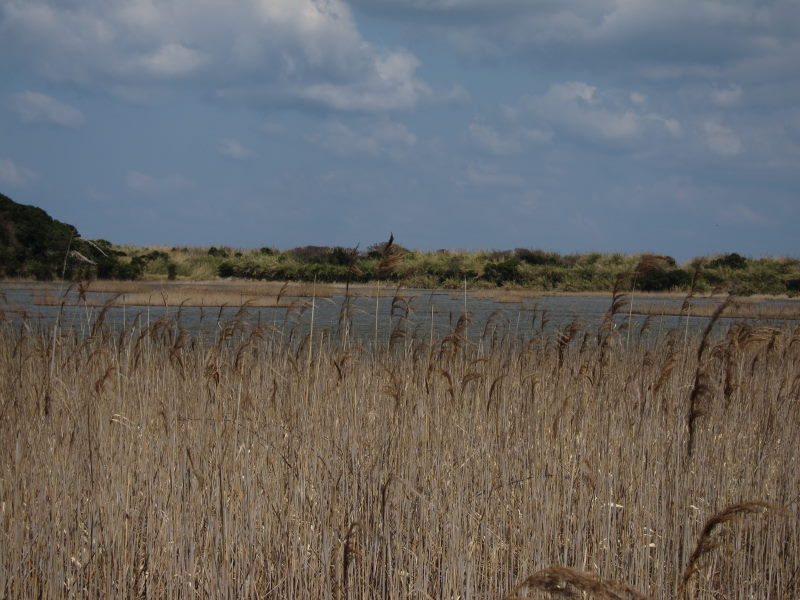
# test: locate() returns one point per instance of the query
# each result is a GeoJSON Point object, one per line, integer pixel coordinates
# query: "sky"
{"type": "Point", "coordinates": [565, 125]}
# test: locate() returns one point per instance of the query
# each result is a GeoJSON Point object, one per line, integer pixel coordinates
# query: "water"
{"type": "Point", "coordinates": [417, 314]}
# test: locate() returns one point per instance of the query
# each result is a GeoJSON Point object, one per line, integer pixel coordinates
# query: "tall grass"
{"type": "Point", "coordinates": [150, 463]}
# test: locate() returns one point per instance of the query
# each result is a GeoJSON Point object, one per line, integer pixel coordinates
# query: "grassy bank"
{"type": "Point", "coordinates": [517, 269]}
{"type": "Point", "coordinates": [147, 463]}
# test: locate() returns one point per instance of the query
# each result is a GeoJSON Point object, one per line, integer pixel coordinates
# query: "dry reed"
{"type": "Point", "coordinates": [268, 462]}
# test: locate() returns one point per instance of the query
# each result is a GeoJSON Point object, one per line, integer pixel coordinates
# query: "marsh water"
{"type": "Point", "coordinates": [364, 318]}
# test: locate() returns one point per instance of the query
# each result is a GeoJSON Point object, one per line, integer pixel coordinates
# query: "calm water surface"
{"type": "Point", "coordinates": [428, 313]}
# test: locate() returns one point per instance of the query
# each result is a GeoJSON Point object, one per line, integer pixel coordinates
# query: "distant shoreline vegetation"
{"type": "Point", "coordinates": [521, 268]}
{"type": "Point", "coordinates": [35, 246]}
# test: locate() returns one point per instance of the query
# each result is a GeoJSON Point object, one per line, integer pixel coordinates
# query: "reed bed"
{"type": "Point", "coordinates": [262, 463]}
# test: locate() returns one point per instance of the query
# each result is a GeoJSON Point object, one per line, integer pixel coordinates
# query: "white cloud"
{"type": "Point", "coordinates": [392, 87]}
{"type": "Point", "coordinates": [572, 91]}
{"type": "Point", "coordinates": [490, 176]}
{"type": "Point", "coordinates": [582, 110]}
{"type": "Point", "coordinates": [156, 186]}
{"type": "Point", "coordinates": [638, 98]}
{"type": "Point", "coordinates": [384, 138]}
{"type": "Point", "coordinates": [455, 95]}
{"type": "Point", "coordinates": [234, 149]}
{"type": "Point", "coordinates": [35, 107]}
{"type": "Point", "coordinates": [253, 50]}
{"type": "Point", "coordinates": [673, 126]}
{"type": "Point", "coordinates": [652, 37]}
{"type": "Point", "coordinates": [514, 142]}
{"type": "Point", "coordinates": [172, 60]}
{"type": "Point", "coordinates": [488, 139]}
{"type": "Point", "coordinates": [727, 96]}
{"type": "Point", "coordinates": [721, 139]}
{"type": "Point", "coordinates": [13, 174]}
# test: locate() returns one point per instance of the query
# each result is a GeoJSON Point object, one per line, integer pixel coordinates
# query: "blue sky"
{"type": "Point", "coordinates": [567, 125]}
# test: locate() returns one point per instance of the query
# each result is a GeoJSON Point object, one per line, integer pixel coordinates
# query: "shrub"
{"type": "Point", "coordinates": [226, 269]}
{"type": "Point", "coordinates": [128, 271]}
{"type": "Point", "coordinates": [218, 252]}
{"type": "Point", "coordinates": [731, 261]}
{"type": "Point", "coordinates": [538, 257]}
{"type": "Point", "coordinates": [342, 256]}
{"type": "Point", "coordinates": [761, 279]}
{"type": "Point", "coordinates": [506, 271]}
{"type": "Point", "coordinates": [662, 280]}
{"type": "Point", "coordinates": [311, 254]}
{"type": "Point", "coordinates": [592, 258]}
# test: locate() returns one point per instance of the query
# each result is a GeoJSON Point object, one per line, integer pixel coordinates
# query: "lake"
{"type": "Point", "coordinates": [418, 313]}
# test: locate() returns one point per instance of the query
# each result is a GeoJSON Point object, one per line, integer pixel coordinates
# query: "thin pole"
{"type": "Point", "coordinates": [377, 307]}
{"type": "Point", "coordinates": [466, 321]}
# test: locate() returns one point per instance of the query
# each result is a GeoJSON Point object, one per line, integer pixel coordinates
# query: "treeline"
{"type": "Point", "coordinates": [33, 245]}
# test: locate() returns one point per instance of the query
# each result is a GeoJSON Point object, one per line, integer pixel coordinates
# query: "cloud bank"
{"type": "Point", "coordinates": [267, 51]}
{"type": "Point", "coordinates": [646, 37]}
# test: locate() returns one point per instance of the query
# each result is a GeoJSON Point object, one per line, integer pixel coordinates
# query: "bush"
{"type": "Point", "coordinates": [218, 252]}
{"type": "Point", "coordinates": [538, 257]}
{"type": "Point", "coordinates": [763, 279]}
{"type": "Point", "coordinates": [226, 269]}
{"type": "Point", "coordinates": [326, 273]}
{"type": "Point", "coordinates": [661, 280]}
{"type": "Point", "coordinates": [547, 277]}
{"type": "Point", "coordinates": [506, 271]}
{"type": "Point", "coordinates": [342, 256]}
{"type": "Point", "coordinates": [457, 268]}
{"type": "Point", "coordinates": [591, 259]}
{"type": "Point", "coordinates": [311, 254]}
{"type": "Point", "coordinates": [731, 261]}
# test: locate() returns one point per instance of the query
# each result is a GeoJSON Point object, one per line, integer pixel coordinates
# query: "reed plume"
{"type": "Point", "coordinates": [563, 582]}
{"type": "Point", "coordinates": [391, 256]}
{"type": "Point", "coordinates": [709, 539]}
{"type": "Point", "coordinates": [703, 387]}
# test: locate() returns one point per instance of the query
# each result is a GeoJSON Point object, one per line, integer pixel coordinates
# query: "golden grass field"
{"type": "Point", "coordinates": [149, 463]}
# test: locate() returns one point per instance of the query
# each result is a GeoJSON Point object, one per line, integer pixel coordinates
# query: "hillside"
{"type": "Point", "coordinates": [35, 245]}
{"type": "Point", "coordinates": [32, 243]}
